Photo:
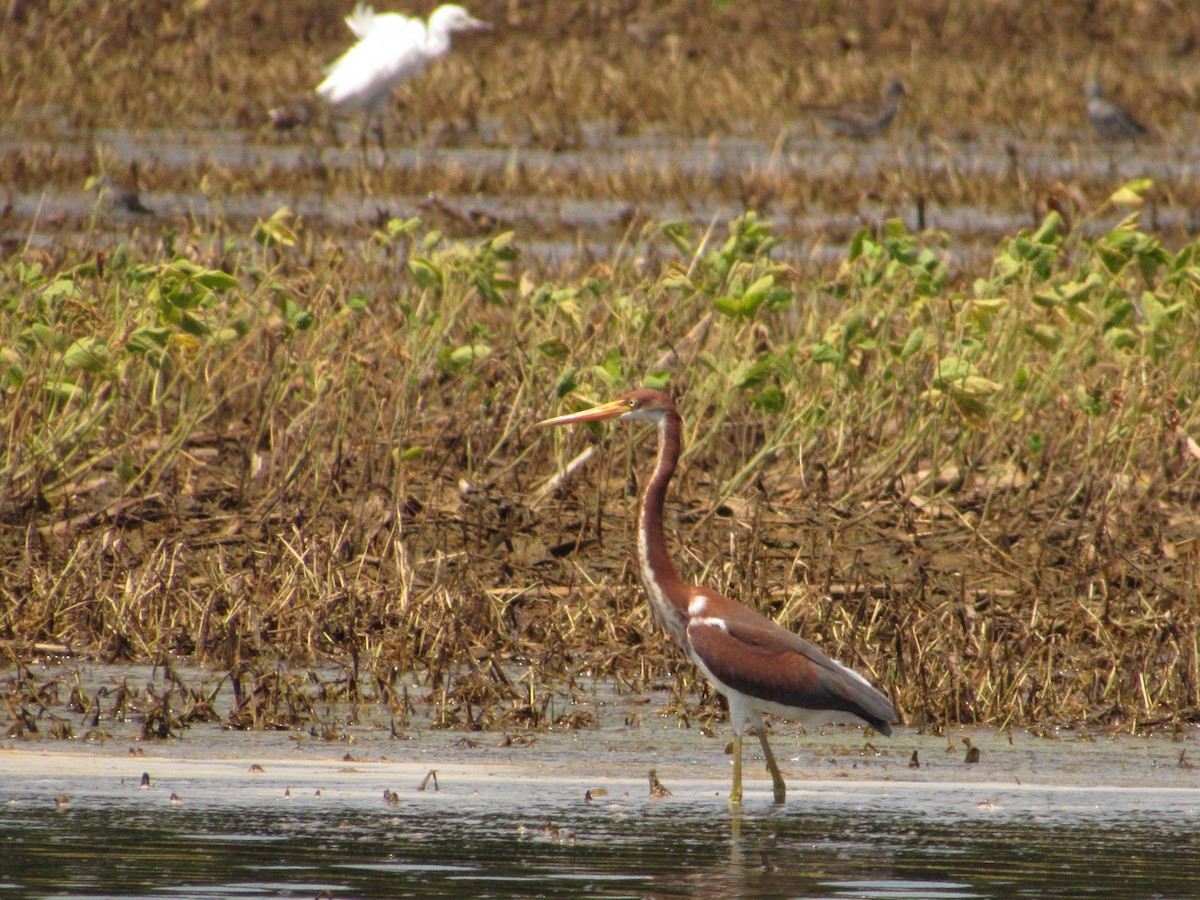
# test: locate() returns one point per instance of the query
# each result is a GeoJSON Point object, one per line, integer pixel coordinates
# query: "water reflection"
{"type": "Point", "coordinates": [859, 844]}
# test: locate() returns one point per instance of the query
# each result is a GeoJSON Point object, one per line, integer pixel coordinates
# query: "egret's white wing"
{"type": "Point", "coordinates": [364, 20]}
{"type": "Point", "coordinates": [390, 52]}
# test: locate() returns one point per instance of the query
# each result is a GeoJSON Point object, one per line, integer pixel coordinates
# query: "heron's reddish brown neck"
{"type": "Point", "coordinates": [669, 594]}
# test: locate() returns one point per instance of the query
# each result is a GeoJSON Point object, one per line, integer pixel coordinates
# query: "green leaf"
{"type": "Point", "coordinates": [953, 368]}
{"type": "Point", "coordinates": [216, 281]}
{"type": "Point", "coordinates": [554, 349]}
{"type": "Point", "coordinates": [1050, 229]}
{"type": "Point", "coordinates": [1080, 291]}
{"type": "Point", "coordinates": [275, 232]}
{"type": "Point", "coordinates": [657, 381]}
{"type": "Point", "coordinates": [64, 389]}
{"type": "Point", "coordinates": [145, 340]}
{"type": "Point", "coordinates": [752, 373]}
{"type": "Point", "coordinates": [461, 358]}
{"type": "Point", "coordinates": [772, 400]}
{"type": "Point", "coordinates": [679, 234]}
{"type": "Point", "coordinates": [60, 289]}
{"type": "Point", "coordinates": [38, 334]}
{"type": "Point", "coordinates": [735, 307]}
{"type": "Point", "coordinates": [566, 382]}
{"type": "Point", "coordinates": [1121, 313]}
{"type": "Point", "coordinates": [126, 471]}
{"type": "Point", "coordinates": [192, 325]}
{"type": "Point", "coordinates": [915, 342]}
{"type": "Point", "coordinates": [1121, 338]}
{"type": "Point", "coordinates": [759, 290]}
{"type": "Point", "coordinates": [1046, 336]}
{"type": "Point", "coordinates": [501, 245]}
{"type": "Point", "coordinates": [962, 380]}
{"type": "Point", "coordinates": [853, 327]}
{"type": "Point", "coordinates": [396, 227]}
{"type": "Point", "coordinates": [1130, 193]}
{"type": "Point", "coordinates": [427, 275]}
{"type": "Point", "coordinates": [88, 354]}
{"type": "Point", "coordinates": [826, 353]}
{"type": "Point", "coordinates": [861, 239]}
{"type": "Point", "coordinates": [300, 319]}
{"type": "Point", "coordinates": [13, 377]}
{"type": "Point", "coordinates": [610, 371]}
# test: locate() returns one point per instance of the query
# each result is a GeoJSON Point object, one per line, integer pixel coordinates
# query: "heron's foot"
{"type": "Point", "coordinates": [780, 791]}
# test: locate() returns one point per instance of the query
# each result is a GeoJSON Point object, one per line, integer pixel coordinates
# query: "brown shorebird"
{"type": "Point", "coordinates": [124, 199]}
{"type": "Point", "coordinates": [292, 115]}
{"type": "Point", "coordinates": [1111, 120]}
{"type": "Point", "coordinates": [865, 120]}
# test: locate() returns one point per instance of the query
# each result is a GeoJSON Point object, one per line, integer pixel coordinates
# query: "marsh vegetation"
{"type": "Point", "coordinates": [281, 423]}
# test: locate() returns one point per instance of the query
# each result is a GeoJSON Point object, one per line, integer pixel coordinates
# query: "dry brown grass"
{"type": "Point", "coordinates": [551, 67]}
{"type": "Point", "coordinates": [279, 492]}
{"type": "Point", "coordinates": [347, 491]}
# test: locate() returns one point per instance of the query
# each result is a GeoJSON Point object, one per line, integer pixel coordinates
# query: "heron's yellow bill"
{"type": "Point", "coordinates": [609, 410]}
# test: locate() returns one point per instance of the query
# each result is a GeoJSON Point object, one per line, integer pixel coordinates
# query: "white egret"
{"type": "Point", "coordinates": [391, 49]}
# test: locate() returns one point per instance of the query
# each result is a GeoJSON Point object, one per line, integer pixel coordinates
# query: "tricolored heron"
{"type": "Point", "coordinates": [758, 665]}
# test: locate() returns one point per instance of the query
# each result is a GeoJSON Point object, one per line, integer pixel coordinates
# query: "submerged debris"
{"type": "Point", "coordinates": [657, 789]}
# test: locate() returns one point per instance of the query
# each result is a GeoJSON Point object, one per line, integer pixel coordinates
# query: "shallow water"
{"type": "Point", "coordinates": [1036, 817]}
{"type": "Point", "coordinates": [264, 168]}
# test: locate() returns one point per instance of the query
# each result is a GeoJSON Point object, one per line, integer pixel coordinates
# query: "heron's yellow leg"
{"type": "Point", "coordinates": [735, 795]}
{"type": "Point", "coordinates": [772, 766]}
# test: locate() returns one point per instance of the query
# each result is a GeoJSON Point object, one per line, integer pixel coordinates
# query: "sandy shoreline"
{"type": "Point", "coordinates": [565, 766]}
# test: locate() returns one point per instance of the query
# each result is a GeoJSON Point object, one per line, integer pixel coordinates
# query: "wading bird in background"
{"type": "Point", "coordinates": [1111, 121]}
{"type": "Point", "coordinates": [123, 199]}
{"type": "Point", "coordinates": [866, 120]}
{"type": "Point", "coordinates": [759, 666]}
{"type": "Point", "coordinates": [391, 49]}
{"type": "Point", "coordinates": [292, 115]}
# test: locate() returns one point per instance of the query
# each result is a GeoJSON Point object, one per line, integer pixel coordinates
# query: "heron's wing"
{"type": "Point", "coordinates": [390, 52]}
{"type": "Point", "coordinates": [751, 654]}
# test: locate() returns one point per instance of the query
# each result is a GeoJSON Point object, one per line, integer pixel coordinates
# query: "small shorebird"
{"type": "Point", "coordinates": [865, 120]}
{"type": "Point", "coordinates": [1112, 121]}
{"type": "Point", "coordinates": [124, 199]}
{"type": "Point", "coordinates": [292, 115]}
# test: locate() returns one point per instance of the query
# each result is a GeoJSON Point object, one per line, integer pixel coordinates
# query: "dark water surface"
{"type": "Point", "coordinates": [494, 829]}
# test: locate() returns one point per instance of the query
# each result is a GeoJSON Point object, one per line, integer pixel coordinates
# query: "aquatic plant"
{"type": "Point", "coordinates": [269, 455]}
